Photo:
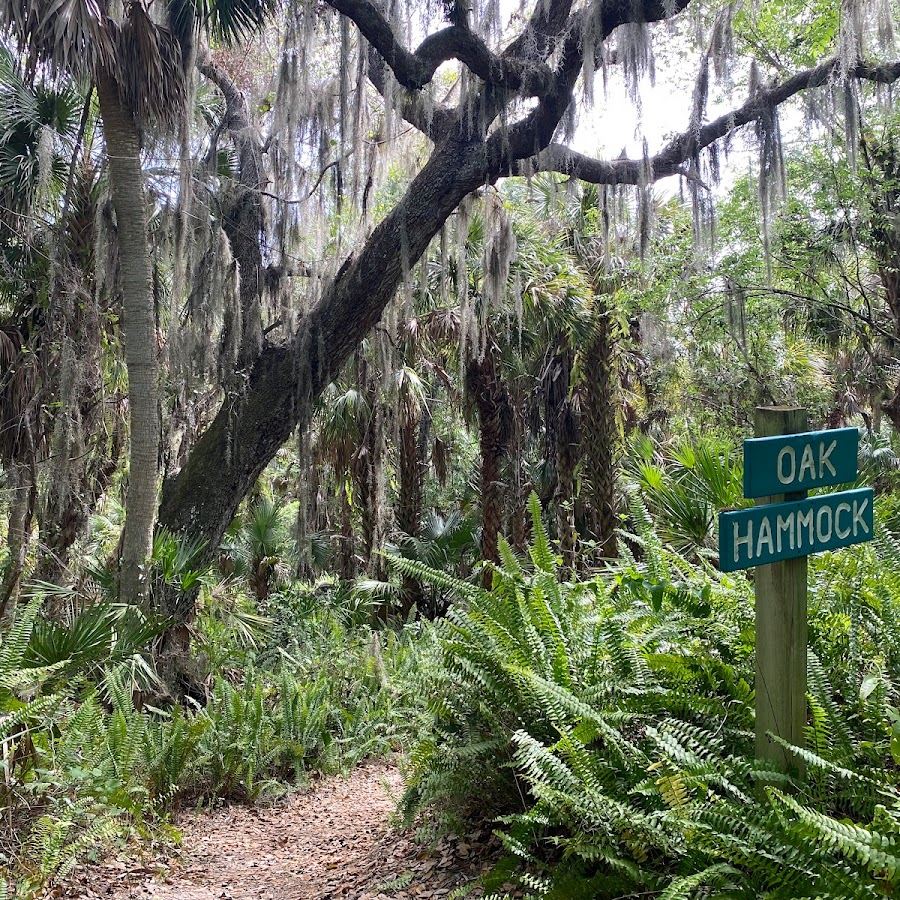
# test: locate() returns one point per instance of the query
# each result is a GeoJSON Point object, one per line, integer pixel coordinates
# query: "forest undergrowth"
{"type": "Point", "coordinates": [603, 723]}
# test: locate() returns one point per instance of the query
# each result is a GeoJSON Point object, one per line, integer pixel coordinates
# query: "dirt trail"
{"type": "Point", "coordinates": [334, 841]}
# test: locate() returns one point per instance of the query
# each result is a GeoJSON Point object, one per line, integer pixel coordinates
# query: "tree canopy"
{"type": "Point", "coordinates": [358, 390]}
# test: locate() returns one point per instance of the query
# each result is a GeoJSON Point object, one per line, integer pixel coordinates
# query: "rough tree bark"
{"type": "Point", "coordinates": [129, 201]}
{"type": "Point", "coordinates": [495, 420]}
{"type": "Point", "coordinates": [601, 431]}
{"type": "Point", "coordinates": [544, 62]}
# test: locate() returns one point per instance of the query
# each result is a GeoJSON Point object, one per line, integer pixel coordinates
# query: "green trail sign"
{"type": "Point", "coordinates": [775, 531]}
{"type": "Point", "coordinates": [781, 464]}
{"type": "Point", "coordinates": [799, 462]}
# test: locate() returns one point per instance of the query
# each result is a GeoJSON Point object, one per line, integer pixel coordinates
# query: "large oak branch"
{"type": "Point", "coordinates": [285, 382]}
{"type": "Point", "coordinates": [415, 69]}
{"type": "Point", "coordinates": [681, 149]}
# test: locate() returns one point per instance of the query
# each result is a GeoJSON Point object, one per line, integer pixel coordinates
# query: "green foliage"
{"type": "Point", "coordinates": [445, 543]}
{"type": "Point", "coordinates": [38, 122]}
{"type": "Point", "coordinates": [259, 547]}
{"type": "Point", "coordinates": [686, 485]}
{"type": "Point", "coordinates": [91, 637]}
{"type": "Point", "coordinates": [610, 724]}
{"type": "Point", "coordinates": [87, 759]}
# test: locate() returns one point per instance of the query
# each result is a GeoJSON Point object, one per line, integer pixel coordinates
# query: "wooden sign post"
{"type": "Point", "coordinates": [781, 632]}
{"type": "Point", "coordinates": [776, 536]}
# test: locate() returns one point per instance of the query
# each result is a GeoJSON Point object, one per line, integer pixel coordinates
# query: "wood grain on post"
{"type": "Point", "coordinates": [781, 625]}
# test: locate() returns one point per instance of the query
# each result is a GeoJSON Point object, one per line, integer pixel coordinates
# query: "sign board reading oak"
{"type": "Point", "coordinates": [799, 462]}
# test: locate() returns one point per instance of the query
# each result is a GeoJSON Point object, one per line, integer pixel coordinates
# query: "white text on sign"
{"type": "Point", "coordinates": [776, 531]}
{"type": "Point", "coordinates": [790, 463]}
{"type": "Point", "coordinates": [813, 467]}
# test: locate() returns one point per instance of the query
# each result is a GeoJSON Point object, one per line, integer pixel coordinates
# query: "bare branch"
{"type": "Point", "coordinates": [534, 133]}
{"type": "Point", "coordinates": [521, 70]}
{"type": "Point", "coordinates": [432, 119]}
{"type": "Point", "coordinates": [680, 150]}
{"type": "Point", "coordinates": [414, 70]}
{"type": "Point", "coordinates": [548, 22]}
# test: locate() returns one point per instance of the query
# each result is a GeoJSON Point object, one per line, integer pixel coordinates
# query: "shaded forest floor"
{"type": "Point", "coordinates": [335, 840]}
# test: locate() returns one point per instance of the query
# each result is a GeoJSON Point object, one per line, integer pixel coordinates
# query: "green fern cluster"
{"type": "Point", "coordinates": [610, 724]}
{"type": "Point", "coordinates": [496, 657]}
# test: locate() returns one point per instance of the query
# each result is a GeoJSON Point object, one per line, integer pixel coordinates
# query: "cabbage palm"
{"type": "Point", "coordinates": [412, 411]}
{"type": "Point", "coordinates": [606, 262]}
{"type": "Point", "coordinates": [38, 123]}
{"type": "Point", "coordinates": [345, 420]}
{"type": "Point", "coordinates": [518, 367]}
{"type": "Point", "coordinates": [261, 547]}
{"type": "Point", "coordinates": [687, 487]}
{"type": "Point", "coordinates": [556, 322]}
{"type": "Point", "coordinates": [136, 59]}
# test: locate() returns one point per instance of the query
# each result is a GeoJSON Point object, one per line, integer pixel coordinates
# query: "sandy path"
{"type": "Point", "coordinates": [334, 841]}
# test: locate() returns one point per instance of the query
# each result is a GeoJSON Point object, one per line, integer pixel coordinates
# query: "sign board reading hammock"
{"type": "Point", "coordinates": [776, 531]}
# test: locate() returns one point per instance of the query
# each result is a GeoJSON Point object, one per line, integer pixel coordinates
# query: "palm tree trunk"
{"type": "Point", "coordinates": [601, 433]}
{"type": "Point", "coordinates": [348, 551]}
{"type": "Point", "coordinates": [129, 201]}
{"type": "Point", "coordinates": [562, 446]}
{"type": "Point", "coordinates": [409, 500]}
{"type": "Point", "coordinates": [520, 487]}
{"type": "Point", "coordinates": [304, 569]}
{"type": "Point", "coordinates": [18, 535]}
{"type": "Point", "coordinates": [567, 453]}
{"type": "Point", "coordinates": [495, 430]}
{"type": "Point", "coordinates": [890, 280]}
{"type": "Point", "coordinates": [363, 465]}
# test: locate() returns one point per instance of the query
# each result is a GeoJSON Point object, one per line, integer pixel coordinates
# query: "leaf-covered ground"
{"type": "Point", "coordinates": [334, 841]}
